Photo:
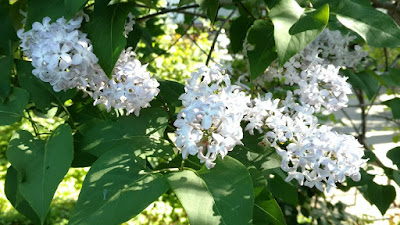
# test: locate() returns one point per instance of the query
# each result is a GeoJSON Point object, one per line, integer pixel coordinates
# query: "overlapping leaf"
{"type": "Point", "coordinates": [38, 9]}
{"type": "Point", "coordinates": [12, 109]}
{"type": "Point", "coordinates": [41, 165]}
{"type": "Point", "coordinates": [110, 21]}
{"type": "Point", "coordinates": [222, 195]}
{"type": "Point", "coordinates": [377, 28]}
{"type": "Point", "coordinates": [72, 7]}
{"type": "Point", "coordinates": [11, 189]}
{"type": "Point", "coordinates": [262, 51]}
{"type": "Point", "coordinates": [209, 7]}
{"type": "Point", "coordinates": [237, 34]}
{"type": "Point", "coordinates": [268, 163]}
{"type": "Point", "coordinates": [7, 35]}
{"type": "Point", "coordinates": [143, 134]}
{"type": "Point", "coordinates": [394, 105]}
{"type": "Point", "coordinates": [6, 64]}
{"type": "Point", "coordinates": [294, 29]}
{"type": "Point", "coordinates": [116, 189]}
{"type": "Point", "coordinates": [41, 93]}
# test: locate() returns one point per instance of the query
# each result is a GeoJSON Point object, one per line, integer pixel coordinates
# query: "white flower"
{"type": "Point", "coordinates": [316, 71]}
{"type": "Point", "coordinates": [131, 86]}
{"type": "Point", "coordinates": [60, 53]}
{"type": "Point", "coordinates": [209, 125]}
{"type": "Point", "coordinates": [129, 24]}
{"type": "Point", "coordinates": [323, 158]}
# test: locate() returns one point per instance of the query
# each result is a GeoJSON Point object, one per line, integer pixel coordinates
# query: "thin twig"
{"type": "Point", "coordinates": [166, 11]}
{"type": "Point", "coordinates": [247, 10]}
{"type": "Point", "coordinates": [173, 44]}
{"type": "Point", "coordinates": [216, 36]}
{"type": "Point", "coordinates": [182, 12]}
{"type": "Point", "coordinates": [387, 118]}
{"type": "Point", "coordinates": [201, 49]}
{"type": "Point", "coordinates": [385, 52]}
{"type": "Point", "coordinates": [395, 61]}
{"type": "Point", "coordinates": [35, 128]}
{"type": "Point", "coordinates": [363, 127]}
{"type": "Point", "coordinates": [373, 100]}
{"type": "Point", "coordinates": [351, 121]}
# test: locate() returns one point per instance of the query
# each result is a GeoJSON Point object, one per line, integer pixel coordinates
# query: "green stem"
{"type": "Point", "coordinates": [167, 170]}
{"type": "Point", "coordinates": [182, 164]}
{"type": "Point", "coordinates": [35, 128]}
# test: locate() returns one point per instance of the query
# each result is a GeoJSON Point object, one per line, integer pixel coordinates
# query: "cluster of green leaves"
{"type": "Point", "coordinates": [133, 161]}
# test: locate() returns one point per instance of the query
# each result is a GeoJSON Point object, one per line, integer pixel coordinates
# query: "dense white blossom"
{"type": "Point", "coordinates": [209, 125]}
{"type": "Point", "coordinates": [63, 56]}
{"type": "Point", "coordinates": [335, 49]}
{"type": "Point", "coordinates": [322, 157]}
{"type": "Point", "coordinates": [312, 154]}
{"type": "Point", "coordinates": [60, 53]}
{"type": "Point", "coordinates": [316, 71]}
{"type": "Point", "coordinates": [131, 86]}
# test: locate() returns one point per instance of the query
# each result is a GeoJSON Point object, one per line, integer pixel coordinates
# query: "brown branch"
{"type": "Point", "coordinates": [392, 8]}
{"type": "Point", "coordinates": [164, 11]}
{"type": "Point", "coordinates": [216, 36]}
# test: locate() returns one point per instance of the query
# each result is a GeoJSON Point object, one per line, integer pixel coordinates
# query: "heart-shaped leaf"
{"type": "Point", "coordinates": [41, 165]}
{"type": "Point", "coordinates": [116, 189]}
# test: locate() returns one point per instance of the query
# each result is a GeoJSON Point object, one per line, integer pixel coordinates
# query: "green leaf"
{"type": "Point", "coordinates": [15, 13]}
{"type": "Point", "coordinates": [81, 158]}
{"type": "Point", "coordinates": [237, 34]}
{"type": "Point", "coordinates": [377, 28]}
{"type": "Point", "coordinates": [116, 189]}
{"type": "Point", "coordinates": [170, 92]}
{"type": "Point", "coordinates": [390, 78]}
{"type": "Point", "coordinates": [6, 65]}
{"type": "Point", "coordinates": [312, 20]}
{"type": "Point", "coordinates": [221, 195]}
{"type": "Point", "coordinates": [41, 165]}
{"type": "Point", "coordinates": [266, 209]}
{"type": "Point", "coordinates": [7, 35]}
{"type": "Point", "coordinates": [134, 36]}
{"type": "Point", "coordinates": [282, 189]}
{"type": "Point", "coordinates": [12, 109]}
{"type": "Point", "coordinates": [41, 93]}
{"type": "Point", "coordinates": [146, 131]}
{"type": "Point", "coordinates": [185, 2]}
{"type": "Point", "coordinates": [110, 20]}
{"type": "Point", "coordinates": [38, 9]}
{"type": "Point", "coordinates": [394, 105]}
{"type": "Point", "coordinates": [11, 189]}
{"type": "Point", "coordinates": [72, 7]}
{"type": "Point", "coordinates": [294, 30]}
{"type": "Point", "coordinates": [260, 36]}
{"type": "Point", "coordinates": [364, 81]}
{"type": "Point", "coordinates": [381, 195]}
{"type": "Point", "coordinates": [268, 163]}
{"type": "Point", "coordinates": [209, 7]}
{"type": "Point", "coordinates": [394, 155]}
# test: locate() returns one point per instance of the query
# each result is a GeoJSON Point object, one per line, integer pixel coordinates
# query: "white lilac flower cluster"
{"type": "Point", "coordinates": [316, 71]}
{"type": "Point", "coordinates": [63, 56]}
{"type": "Point", "coordinates": [60, 53]}
{"type": "Point", "coordinates": [209, 125]}
{"type": "Point", "coordinates": [130, 87]}
{"type": "Point", "coordinates": [311, 153]}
